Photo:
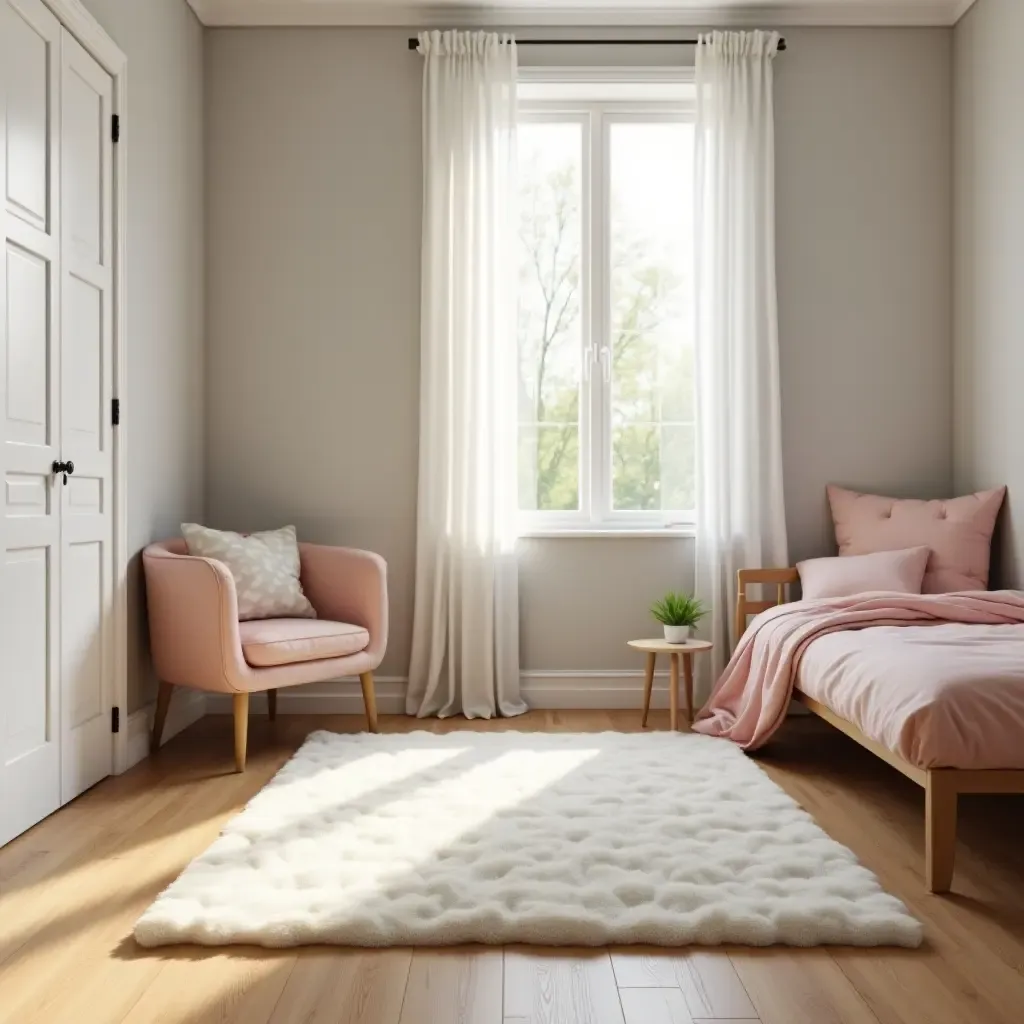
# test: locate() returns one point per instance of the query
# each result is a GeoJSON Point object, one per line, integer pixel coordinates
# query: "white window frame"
{"type": "Point", "coordinates": [557, 95]}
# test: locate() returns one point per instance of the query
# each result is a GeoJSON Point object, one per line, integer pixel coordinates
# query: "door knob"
{"type": "Point", "coordinates": [65, 468]}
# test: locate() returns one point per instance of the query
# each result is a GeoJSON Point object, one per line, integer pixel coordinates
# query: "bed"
{"type": "Point", "coordinates": [914, 726]}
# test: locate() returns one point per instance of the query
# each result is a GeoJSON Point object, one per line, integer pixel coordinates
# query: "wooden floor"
{"type": "Point", "coordinates": [72, 888]}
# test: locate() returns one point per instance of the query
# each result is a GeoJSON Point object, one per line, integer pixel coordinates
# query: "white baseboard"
{"type": "Point", "coordinates": [599, 690]}
{"type": "Point", "coordinates": [187, 707]}
{"type": "Point", "coordinates": [554, 690]}
{"type": "Point", "coordinates": [340, 697]}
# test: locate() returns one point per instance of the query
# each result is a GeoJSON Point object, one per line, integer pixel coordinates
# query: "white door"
{"type": "Point", "coordinates": [55, 384]}
{"type": "Point", "coordinates": [86, 500]}
{"type": "Point", "coordinates": [30, 730]}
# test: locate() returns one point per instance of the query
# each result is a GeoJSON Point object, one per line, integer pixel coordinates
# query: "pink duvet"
{"type": "Point", "coordinates": [939, 679]}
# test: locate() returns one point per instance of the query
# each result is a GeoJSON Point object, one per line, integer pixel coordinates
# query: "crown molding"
{"type": "Point", "coordinates": [204, 10]}
{"type": "Point", "coordinates": [961, 8]}
{"type": "Point", "coordinates": [534, 13]}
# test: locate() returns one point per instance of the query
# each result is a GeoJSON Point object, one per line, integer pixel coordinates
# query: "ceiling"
{"type": "Point", "coordinates": [637, 13]}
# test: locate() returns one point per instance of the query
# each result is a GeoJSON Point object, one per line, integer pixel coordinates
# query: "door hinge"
{"type": "Point", "coordinates": [115, 127]}
{"type": "Point", "coordinates": [115, 411]}
{"type": "Point", "coordinates": [115, 719]}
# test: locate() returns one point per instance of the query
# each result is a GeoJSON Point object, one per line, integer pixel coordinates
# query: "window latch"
{"type": "Point", "coordinates": [588, 358]}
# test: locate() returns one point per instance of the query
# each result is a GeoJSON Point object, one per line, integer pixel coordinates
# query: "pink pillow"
{"type": "Point", "coordinates": [899, 572]}
{"type": "Point", "coordinates": [958, 531]}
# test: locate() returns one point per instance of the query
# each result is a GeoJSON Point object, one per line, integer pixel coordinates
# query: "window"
{"type": "Point", "coordinates": [606, 375]}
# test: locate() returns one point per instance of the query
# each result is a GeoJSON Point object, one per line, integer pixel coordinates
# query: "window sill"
{"type": "Point", "coordinates": [641, 533]}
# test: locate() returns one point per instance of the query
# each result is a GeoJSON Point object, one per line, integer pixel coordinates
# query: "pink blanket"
{"type": "Point", "coordinates": [750, 700]}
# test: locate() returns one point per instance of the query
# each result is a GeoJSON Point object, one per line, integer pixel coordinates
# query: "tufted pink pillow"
{"type": "Point", "coordinates": [897, 572]}
{"type": "Point", "coordinates": [958, 531]}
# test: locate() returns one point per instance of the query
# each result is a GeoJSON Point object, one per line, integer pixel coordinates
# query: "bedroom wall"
{"type": "Point", "coordinates": [989, 300]}
{"type": "Point", "coordinates": [313, 177]}
{"type": "Point", "coordinates": [864, 202]}
{"type": "Point", "coordinates": [163, 409]}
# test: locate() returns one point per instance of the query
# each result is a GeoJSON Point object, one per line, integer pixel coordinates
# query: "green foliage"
{"type": "Point", "coordinates": [678, 610]}
{"type": "Point", "coordinates": [548, 390]}
{"type": "Point", "coordinates": [652, 442]}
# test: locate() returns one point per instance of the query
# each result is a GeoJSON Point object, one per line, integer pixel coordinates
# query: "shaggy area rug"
{"type": "Point", "coordinates": [547, 838]}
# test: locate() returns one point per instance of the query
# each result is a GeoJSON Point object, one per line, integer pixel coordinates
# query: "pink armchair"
{"type": "Point", "coordinates": [197, 640]}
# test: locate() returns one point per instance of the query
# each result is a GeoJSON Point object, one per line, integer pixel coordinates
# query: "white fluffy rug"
{"type": "Point", "coordinates": [524, 837]}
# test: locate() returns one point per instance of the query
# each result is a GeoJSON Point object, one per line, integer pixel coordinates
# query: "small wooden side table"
{"type": "Point", "coordinates": [676, 652]}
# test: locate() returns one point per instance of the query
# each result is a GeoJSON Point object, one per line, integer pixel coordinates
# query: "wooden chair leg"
{"type": "Point", "coordinates": [369, 700]}
{"type": "Point", "coordinates": [648, 684]}
{"type": "Point", "coordinates": [272, 705]}
{"type": "Point", "coordinates": [940, 807]}
{"type": "Point", "coordinates": [163, 702]}
{"type": "Point", "coordinates": [673, 691]}
{"type": "Point", "coordinates": [241, 708]}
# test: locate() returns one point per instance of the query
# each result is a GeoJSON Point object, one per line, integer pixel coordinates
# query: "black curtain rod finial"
{"type": "Point", "coordinates": [414, 42]}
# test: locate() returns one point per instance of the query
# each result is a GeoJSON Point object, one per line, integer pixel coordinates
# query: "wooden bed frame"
{"type": "Point", "coordinates": [942, 786]}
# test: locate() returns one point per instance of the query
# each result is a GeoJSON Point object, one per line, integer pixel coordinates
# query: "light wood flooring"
{"type": "Point", "coordinates": [71, 889]}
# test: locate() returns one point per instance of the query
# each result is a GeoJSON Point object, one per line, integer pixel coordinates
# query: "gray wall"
{"type": "Point", "coordinates": [989, 303]}
{"type": "Point", "coordinates": [314, 193]}
{"type": "Point", "coordinates": [163, 408]}
{"type": "Point", "coordinates": [864, 220]}
{"type": "Point", "coordinates": [313, 225]}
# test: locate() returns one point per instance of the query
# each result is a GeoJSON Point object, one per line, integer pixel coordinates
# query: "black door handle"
{"type": "Point", "coordinates": [67, 468]}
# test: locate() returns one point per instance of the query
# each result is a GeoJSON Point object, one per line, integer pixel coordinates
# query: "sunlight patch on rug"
{"type": "Point", "coordinates": [546, 838]}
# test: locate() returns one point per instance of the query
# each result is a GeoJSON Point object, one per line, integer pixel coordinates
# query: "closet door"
{"type": "Point", "coordinates": [30, 429]}
{"type": "Point", "coordinates": [86, 500]}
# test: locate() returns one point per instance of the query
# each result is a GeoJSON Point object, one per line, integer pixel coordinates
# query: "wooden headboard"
{"type": "Point", "coordinates": [745, 607]}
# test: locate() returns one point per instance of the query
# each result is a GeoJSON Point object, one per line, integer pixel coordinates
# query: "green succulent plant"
{"type": "Point", "coordinates": [678, 610]}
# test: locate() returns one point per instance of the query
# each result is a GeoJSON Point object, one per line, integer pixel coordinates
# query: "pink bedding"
{"type": "Point", "coordinates": [939, 678]}
{"type": "Point", "coordinates": [949, 696]}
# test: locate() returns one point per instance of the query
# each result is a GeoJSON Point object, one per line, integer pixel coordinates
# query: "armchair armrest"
{"type": "Point", "coordinates": [348, 585]}
{"type": "Point", "coordinates": [193, 620]}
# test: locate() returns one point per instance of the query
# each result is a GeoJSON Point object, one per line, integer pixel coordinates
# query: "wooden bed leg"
{"type": "Point", "coordinates": [940, 802]}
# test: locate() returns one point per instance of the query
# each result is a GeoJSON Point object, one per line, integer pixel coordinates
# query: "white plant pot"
{"type": "Point", "coordinates": [677, 634]}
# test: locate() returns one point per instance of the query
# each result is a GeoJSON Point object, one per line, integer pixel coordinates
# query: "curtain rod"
{"type": "Point", "coordinates": [414, 42]}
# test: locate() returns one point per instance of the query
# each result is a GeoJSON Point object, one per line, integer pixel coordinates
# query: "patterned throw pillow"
{"type": "Point", "coordinates": [265, 567]}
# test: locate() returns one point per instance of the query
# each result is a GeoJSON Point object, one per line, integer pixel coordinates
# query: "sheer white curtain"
{"type": "Point", "coordinates": [465, 647]}
{"type": "Point", "coordinates": [740, 513]}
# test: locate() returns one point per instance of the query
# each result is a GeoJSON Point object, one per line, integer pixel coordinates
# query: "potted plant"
{"type": "Point", "coordinates": [678, 613]}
